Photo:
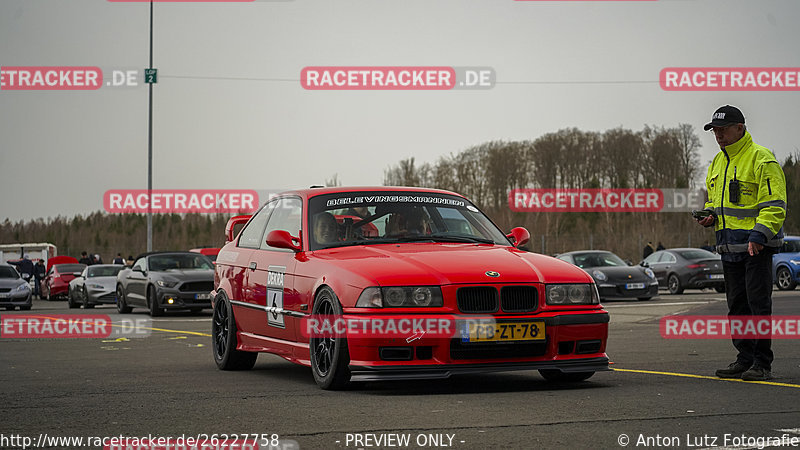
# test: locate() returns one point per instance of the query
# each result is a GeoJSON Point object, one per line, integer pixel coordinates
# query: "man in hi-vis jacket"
{"type": "Point", "coordinates": [747, 201]}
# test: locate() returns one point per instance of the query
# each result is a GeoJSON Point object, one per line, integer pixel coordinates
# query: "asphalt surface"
{"type": "Point", "coordinates": [662, 393]}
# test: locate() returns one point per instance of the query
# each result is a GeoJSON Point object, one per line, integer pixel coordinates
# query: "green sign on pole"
{"type": "Point", "coordinates": [151, 76]}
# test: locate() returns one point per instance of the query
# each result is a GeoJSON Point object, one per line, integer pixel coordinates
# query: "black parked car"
{"type": "Point", "coordinates": [686, 268]}
{"type": "Point", "coordinates": [162, 281]}
{"type": "Point", "coordinates": [613, 276]}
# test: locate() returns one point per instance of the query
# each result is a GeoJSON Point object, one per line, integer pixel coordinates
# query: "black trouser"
{"type": "Point", "coordinates": [748, 286]}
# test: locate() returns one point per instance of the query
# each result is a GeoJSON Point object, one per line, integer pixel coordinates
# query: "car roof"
{"type": "Point", "coordinates": [313, 192]}
{"type": "Point", "coordinates": [167, 252]}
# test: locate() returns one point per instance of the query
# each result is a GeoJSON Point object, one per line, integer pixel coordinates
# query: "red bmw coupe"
{"type": "Point", "coordinates": [390, 283]}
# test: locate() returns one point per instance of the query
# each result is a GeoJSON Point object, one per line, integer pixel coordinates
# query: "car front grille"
{"type": "Point", "coordinates": [519, 298]}
{"type": "Point", "coordinates": [484, 299]}
{"type": "Point", "coordinates": [480, 299]}
{"type": "Point", "coordinates": [110, 297]}
{"type": "Point", "coordinates": [5, 289]}
{"type": "Point", "coordinates": [197, 286]}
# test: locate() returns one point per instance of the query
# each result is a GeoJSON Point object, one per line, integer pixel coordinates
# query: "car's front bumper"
{"type": "Point", "coordinates": [572, 343]}
{"type": "Point", "coordinates": [102, 296]}
{"type": "Point", "coordinates": [15, 298]}
{"type": "Point", "coordinates": [607, 290]}
{"type": "Point", "coordinates": [175, 299]}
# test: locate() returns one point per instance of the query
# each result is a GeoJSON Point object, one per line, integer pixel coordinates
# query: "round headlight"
{"type": "Point", "coordinates": [649, 272]}
{"type": "Point", "coordinates": [422, 296]}
{"type": "Point", "coordinates": [556, 295]}
{"type": "Point", "coordinates": [395, 296]}
{"type": "Point", "coordinates": [600, 275]}
{"type": "Point", "coordinates": [577, 293]}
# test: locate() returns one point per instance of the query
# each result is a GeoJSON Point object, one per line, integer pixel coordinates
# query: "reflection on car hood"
{"type": "Point", "coordinates": [433, 264]}
{"type": "Point", "coordinates": [10, 282]}
{"type": "Point", "coordinates": [620, 273]}
{"type": "Point", "coordinates": [185, 275]}
{"type": "Point", "coordinates": [106, 282]}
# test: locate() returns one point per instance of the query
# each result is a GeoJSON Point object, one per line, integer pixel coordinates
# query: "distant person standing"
{"type": "Point", "coordinates": [648, 250]}
{"type": "Point", "coordinates": [85, 259]}
{"type": "Point", "coordinates": [660, 246]}
{"type": "Point", "coordinates": [747, 200]}
{"type": "Point", "coordinates": [129, 261]}
{"type": "Point", "coordinates": [119, 259]}
{"type": "Point", "coordinates": [39, 271]}
{"type": "Point", "coordinates": [24, 267]}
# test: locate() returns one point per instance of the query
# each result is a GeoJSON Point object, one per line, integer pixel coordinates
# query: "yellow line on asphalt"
{"type": "Point", "coordinates": [706, 377]}
{"type": "Point", "coordinates": [90, 321]}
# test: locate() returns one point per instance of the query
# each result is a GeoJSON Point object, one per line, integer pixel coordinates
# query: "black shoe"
{"type": "Point", "coordinates": [734, 370]}
{"type": "Point", "coordinates": [757, 374]}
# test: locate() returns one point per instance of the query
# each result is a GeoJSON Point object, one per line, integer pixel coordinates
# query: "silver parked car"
{"type": "Point", "coordinates": [97, 284]}
{"type": "Point", "coordinates": [14, 291]}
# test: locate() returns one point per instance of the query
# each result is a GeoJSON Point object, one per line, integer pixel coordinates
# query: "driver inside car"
{"type": "Point", "coordinates": [325, 228]}
{"type": "Point", "coordinates": [411, 221]}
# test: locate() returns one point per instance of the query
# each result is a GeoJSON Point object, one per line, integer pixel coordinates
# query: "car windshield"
{"type": "Point", "coordinates": [698, 254]}
{"type": "Point", "coordinates": [103, 271]}
{"type": "Point", "coordinates": [179, 262]}
{"type": "Point", "coordinates": [364, 218]}
{"type": "Point", "coordinates": [67, 268]}
{"type": "Point", "coordinates": [604, 259]}
{"type": "Point", "coordinates": [8, 272]}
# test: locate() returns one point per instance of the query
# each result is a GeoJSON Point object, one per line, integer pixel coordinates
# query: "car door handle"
{"type": "Point", "coordinates": [253, 265]}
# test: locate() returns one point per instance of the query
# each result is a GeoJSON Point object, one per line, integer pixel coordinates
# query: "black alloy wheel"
{"type": "Point", "coordinates": [122, 305]}
{"type": "Point", "coordinates": [224, 340]}
{"type": "Point", "coordinates": [329, 354]}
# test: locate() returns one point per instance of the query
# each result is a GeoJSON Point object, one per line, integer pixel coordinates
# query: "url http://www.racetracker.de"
{"type": "Point", "coordinates": [233, 441]}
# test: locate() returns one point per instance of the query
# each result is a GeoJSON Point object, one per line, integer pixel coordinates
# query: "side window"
{"type": "Point", "coordinates": [287, 216]}
{"type": "Point", "coordinates": [669, 258]}
{"type": "Point", "coordinates": [653, 258]}
{"type": "Point", "coordinates": [251, 236]}
{"type": "Point", "coordinates": [140, 264]}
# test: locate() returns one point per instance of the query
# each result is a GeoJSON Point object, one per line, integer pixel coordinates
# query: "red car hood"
{"type": "Point", "coordinates": [441, 264]}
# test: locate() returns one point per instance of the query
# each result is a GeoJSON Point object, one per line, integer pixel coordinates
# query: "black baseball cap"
{"type": "Point", "coordinates": [724, 116]}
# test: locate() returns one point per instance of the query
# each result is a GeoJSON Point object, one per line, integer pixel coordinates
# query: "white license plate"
{"type": "Point", "coordinates": [202, 296]}
{"type": "Point", "coordinates": [634, 286]}
{"type": "Point", "coordinates": [3, 295]}
{"type": "Point", "coordinates": [716, 276]}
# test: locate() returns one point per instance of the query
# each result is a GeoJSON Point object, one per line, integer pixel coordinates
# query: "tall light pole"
{"type": "Point", "coordinates": [150, 144]}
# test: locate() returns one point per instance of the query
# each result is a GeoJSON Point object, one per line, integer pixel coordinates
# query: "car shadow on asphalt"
{"type": "Point", "coordinates": [499, 382]}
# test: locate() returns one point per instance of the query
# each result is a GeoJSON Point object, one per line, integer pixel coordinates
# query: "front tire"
{"type": "Point", "coordinates": [122, 305]}
{"type": "Point", "coordinates": [784, 280]}
{"type": "Point", "coordinates": [152, 303]}
{"type": "Point", "coordinates": [86, 304]}
{"type": "Point", "coordinates": [329, 355]}
{"type": "Point", "coordinates": [71, 300]}
{"type": "Point", "coordinates": [571, 377]}
{"type": "Point", "coordinates": [224, 340]}
{"type": "Point", "coordinates": [674, 285]}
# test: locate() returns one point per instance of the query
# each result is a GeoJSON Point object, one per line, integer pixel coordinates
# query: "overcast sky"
{"type": "Point", "coordinates": [229, 110]}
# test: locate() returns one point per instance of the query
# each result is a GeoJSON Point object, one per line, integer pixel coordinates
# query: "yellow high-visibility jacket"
{"type": "Point", "coordinates": [759, 214]}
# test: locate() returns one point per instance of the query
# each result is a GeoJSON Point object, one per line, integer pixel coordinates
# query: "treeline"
{"type": "Point", "coordinates": [654, 157]}
{"type": "Point", "coordinates": [619, 158]}
{"type": "Point", "coordinates": [109, 234]}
